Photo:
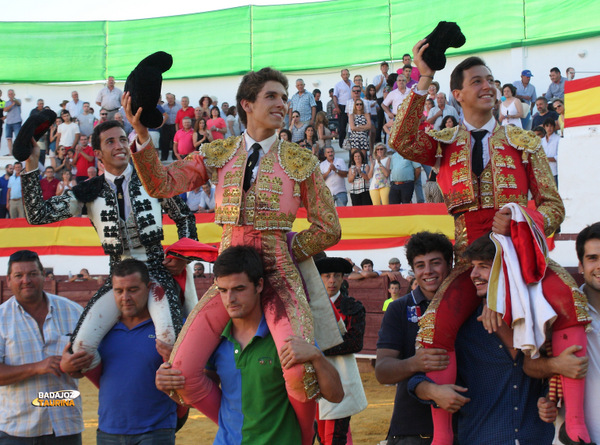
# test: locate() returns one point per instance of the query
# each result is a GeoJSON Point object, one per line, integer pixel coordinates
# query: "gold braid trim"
{"type": "Point", "coordinates": [427, 321]}
{"type": "Point", "coordinates": [219, 152]}
{"type": "Point", "coordinates": [522, 140]}
{"type": "Point", "coordinates": [447, 135]}
{"type": "Point", "coordinates": [579, 299]}
{"type": "Point", "coordinates": [297, 162]}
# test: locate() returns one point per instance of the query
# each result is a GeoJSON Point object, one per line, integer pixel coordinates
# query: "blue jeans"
{"type": "Point", "coordinates": [341, 199]}
{"type": "Point", "coordinates": [157, 437]}
{"type": "Point", "coordinates": [51, 439]}
{"type": "Point", "coordinates": [12, 129]}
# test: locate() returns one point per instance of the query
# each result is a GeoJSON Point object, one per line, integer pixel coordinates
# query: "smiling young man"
{"type": "Point", "coordinates": [262, 181]}
{"type": "Point", "coordinates": [494, 398]}
{"type": "Point", "coordinates": [430, 257]}
{"type": "Point", "coordinates": [483, 167]}
{"type": "Point", "coordinates": [253, 407]}
{"type": "Point", "coordinates": [127, 220]}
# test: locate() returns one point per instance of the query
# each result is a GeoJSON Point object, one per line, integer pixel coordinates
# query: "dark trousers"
{"type": "Point", "coordinates": [166, 141]}
{"type": "Point", "coordinates": [342, 123]}
{"type": "Point", "coordinates": [51, 439]}
{"type": "Point", "coordinates": [361, 199]}
{"type": "Point", "coordinates": [402, 193]}
{"type": "Point", "coordinates": [380, 122]}
{"type": "Point", "coordinates": [4, 211]}
{"type": "Point", "coordinates": [409, 440]}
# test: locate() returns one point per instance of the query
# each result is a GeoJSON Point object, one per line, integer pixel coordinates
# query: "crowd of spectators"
{"type": "Point", "coordinates": [358, 116]}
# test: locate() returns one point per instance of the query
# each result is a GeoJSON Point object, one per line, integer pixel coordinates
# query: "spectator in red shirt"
{"type": "Point", "coordinates": [84, 159]}
{"type": "Point", "coordinates": [183, 143]}
{"type": "Point", "coordinates": [49, 183]}
{"type": "Point", "coordinates": [185, 110]}
{"type": "Point", "coordinates": [216, 124]}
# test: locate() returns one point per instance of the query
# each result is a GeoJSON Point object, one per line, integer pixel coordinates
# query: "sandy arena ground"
{"type": "Point", "coordinates": [368, 428]}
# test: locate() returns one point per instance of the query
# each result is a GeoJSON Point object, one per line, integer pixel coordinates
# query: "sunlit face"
{"type": "Point", "coordinates": [66, 176]}
{"type": "Point", "coordinates": [66, 117]}
{"type": "Point", "coordinates": [170, 99]}
{"type": "Point", "coordinates": [202, 124]}
{"type": "Point", "coordinates": [206, 189]}
{"type": "Point", "coordinates": [310, 132]}
{"type": "Point", "coordinates": [329, 154]}
{"type": "Point", "coordinates": [480, 276]}
{"type": "Point", "coordinates": [407, 60]}
{"type": "Point", "coordinates": [9, 169]}
{"type": "Point", "coordinates": [75, 96]}
{"type": "Point", "coordinates": [187, 124]}
{"type": "Point", "coordinates": [394, 290]}
{"type": "Point", "coordinates": [358, 80]}
{"type": "Point", "coordinates": [479, 90]}
{"type": "Point", "coordinates": [407, 72]}
{"type": "Point", "coordinates": [300, 86]}
{"type": "Point", "coordinates": [332, 282]}
{"type": "Point", "coordinates": [449, 123]}
{"type": "Point", "coordinates": [441, 100]}
{"type": "Point", "coordinates": [240, 296]}
{"type": "Point", "coordinates": [394, 267]}
{"type": "Point", "coordinates": [345, 75]}
{"type": "Point", "coordinates": [131, 295]}
{"type": "Point", "coordinates": [111, 82]}
{"type": "Point", "coordinates": [40, 104]}
{"type": "Point", "coordinates": [114, 150]}
{"type": "Point", "coordinates": [367, 267]}
{"type": "Point", "coordinates": [554, 76]}
{"type": "Point", "coordinates": [432, 90]}
{"type": "Point", "coordinates": [185, 102]}
{"type": "Point", "coordinates": [549, 129]}
{"type": "Point", "coordinates": [17, 169]}
{"type": "Point", "coordinates": [590, 267]}
{"type": "Point", "coordinates": [283, 136]}
{"type": "Point", "coordinates": [197, 113]}
{"type": "Point", "coordinates": [559, 107]}
{"type": "Point", "coordinates": [507, 92]}
{"type": "Point", "coordinates": [26, 281]}
{"type": "Point", "coordinates": [83, 140]}
{"type": "Point", "coordinates": [357, 158]}
{"type": "Point", "coordinates": [214, 112]}
{"type": "Point", "coordinates": [430, 271]}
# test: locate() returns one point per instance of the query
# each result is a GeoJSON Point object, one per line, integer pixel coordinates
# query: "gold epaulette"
{"type": "Point", "coordinates": [192, 155]}
{"type": "Point", "coordinates": [447, 135]}
{"type": "Point", "coordinates": [219, 152]}
{"type": "Point", "coordinates": [297, 162]}
{"type": "Point", "coordinates": [522, 140]}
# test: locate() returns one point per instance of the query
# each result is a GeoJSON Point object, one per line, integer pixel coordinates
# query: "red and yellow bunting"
{"type": "Point", "coordinates": [582, 102]}
{"type": "Point", "coordinates": [363, 228]}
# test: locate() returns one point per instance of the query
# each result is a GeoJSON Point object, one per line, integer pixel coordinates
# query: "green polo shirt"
{"type": "Point", "coordinates": [254, 406]}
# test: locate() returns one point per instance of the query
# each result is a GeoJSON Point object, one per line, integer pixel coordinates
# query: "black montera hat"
{"type": "Point", "coordinates": [144, 84]}
{"type": "Point", "coordinates": [34, 127]}
{"type": "Point", "coordinates": [333, 264]}
{"type": "Point", "coordinates": [445, 35]}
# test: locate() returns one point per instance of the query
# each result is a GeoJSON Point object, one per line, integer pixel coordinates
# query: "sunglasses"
{"type": "Point", "coordinates": [103, 114]}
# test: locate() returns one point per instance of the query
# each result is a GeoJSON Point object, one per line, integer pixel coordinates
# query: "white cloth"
{"type": "Point", "coordinates": [531, 313]}
{"type": "Point", "coordinates": [354, 400]}
{"type": "Point", "coordinates": [449, 110]}
{"type": "Point", "coordinates": [343, 91]}
{"type": "Point", "coordinates": [75, 109]}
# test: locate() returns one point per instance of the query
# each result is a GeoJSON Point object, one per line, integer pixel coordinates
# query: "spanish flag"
{"type": "Point", "coordinates": [582, 102]}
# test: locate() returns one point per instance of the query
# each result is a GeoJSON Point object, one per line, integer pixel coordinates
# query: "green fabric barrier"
{"type": "Point", "coordinates": [291, 37]}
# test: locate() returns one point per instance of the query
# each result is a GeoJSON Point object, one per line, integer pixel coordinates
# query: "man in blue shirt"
{"type": "Point", "coordinates": [403, 174]}
{"type": "Point", "coordinates": [430, 257]}
{"type": "Point", "coordinates": [496, 402]}
{"type": "Point", "coordinates": [129, 404]}
{"type": "Point", "coordinates": [254, 407]}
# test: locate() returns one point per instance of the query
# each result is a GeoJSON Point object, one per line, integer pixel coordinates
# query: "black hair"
{"type": "Point", "coordinates": [24, 256]}
{"type": "Point", "coordinates": [238, 259]}
{"type": "Point", "coordinates": [590, 232]}
{"type": "Point", "coordinates": [101, 128]}
{"type": "Point", "coordinates": [457, 77]}
{"type": "Point", "coordinates": [129, 267]}
{"type": "Point", "coordinates": [422, 243]}
{"type": "Point", "coordinates": [482, 249]}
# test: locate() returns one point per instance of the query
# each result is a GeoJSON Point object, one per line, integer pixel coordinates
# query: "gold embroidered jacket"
{"type": "Point", "coordinates": [517, 166]}
{"type": "Point", "coordinates": [288, 176]}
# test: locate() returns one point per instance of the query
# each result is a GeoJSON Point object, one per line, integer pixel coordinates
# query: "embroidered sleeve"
{"type": "Point", "coordinates": [325, 230]}
{"type": "Point", "coordinates": [38, 211]}
{"type": "Point", "coordinates": [299, 163]}
{"type": "Point", "coordinates": [406, 138]}
{"type": "Point", "coordinates": [545, 194]}
{"type": "Point", "coordinates": [166, 182]}
{"type": "Point", "coordinates": [183, 217]}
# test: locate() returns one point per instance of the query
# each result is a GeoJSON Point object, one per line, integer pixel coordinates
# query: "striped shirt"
{"type": "Point", "coordinates": [21, 343]}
